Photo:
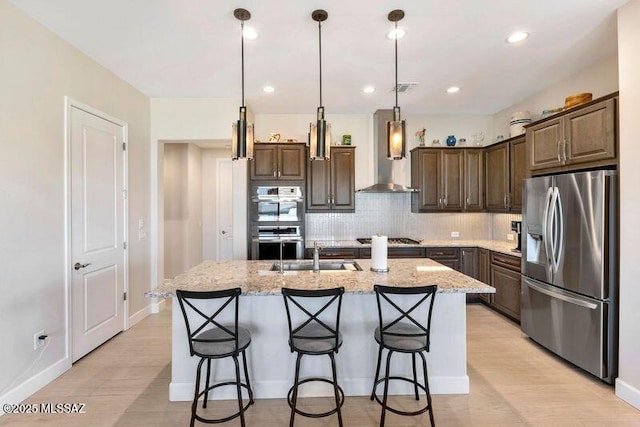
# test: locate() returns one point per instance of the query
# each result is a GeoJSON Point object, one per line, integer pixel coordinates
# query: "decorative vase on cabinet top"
{"type": "Point", "coordinates": [451, 140]}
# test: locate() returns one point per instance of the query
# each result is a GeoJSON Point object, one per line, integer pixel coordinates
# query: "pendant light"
{"type": "Point", "coordinates": [320, 131]}
{"type": "Point", "coordinates": [396, 129]}
{"type": "Point", "coordinates": [242, 137]}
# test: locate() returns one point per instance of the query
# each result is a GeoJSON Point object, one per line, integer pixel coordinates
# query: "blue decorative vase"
{"type": "Point", "coordinates": [451, 140]}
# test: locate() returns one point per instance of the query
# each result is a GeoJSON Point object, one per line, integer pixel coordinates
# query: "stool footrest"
{"type": "Point", "coordinates": [230, 417]}
{"type": "Point", "coordinates": [397, 411]}
{"type": "Point", "coordinates": [316, 415]}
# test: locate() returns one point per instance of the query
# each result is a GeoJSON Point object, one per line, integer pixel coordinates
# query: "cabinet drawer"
{"type": "Point", "coordinates": [443, 253]}
{"type": "Point", "coordinates": [507, 261]}
{"type": "Point", "coordinates": [396, 253]}
{"type": "Point", "coordinates": [333, 253]}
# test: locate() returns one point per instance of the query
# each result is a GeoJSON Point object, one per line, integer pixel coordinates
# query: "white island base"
{"type": "Point", "coordinates": [272, 365]}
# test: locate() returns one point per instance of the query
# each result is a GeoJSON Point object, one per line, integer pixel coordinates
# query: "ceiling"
{"type": "Point", "coordinates": [191, 49]}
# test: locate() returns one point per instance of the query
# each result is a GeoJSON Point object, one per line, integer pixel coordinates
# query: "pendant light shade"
{"type": "Point", "coordinates": [242, 131]}
{"type": "Point", "coordinates": [396, 129]}
{"type": "Point", "coordinates": [320, 131]}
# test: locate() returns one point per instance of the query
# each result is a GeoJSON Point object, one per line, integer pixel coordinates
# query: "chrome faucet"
{"type": "Point", "coordinates": [316, 257]}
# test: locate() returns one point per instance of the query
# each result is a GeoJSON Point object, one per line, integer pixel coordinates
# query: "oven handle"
{"type": "Point", "coordinates": [277, 240]}
{"type": "Point", "coordinates": [278, 199]}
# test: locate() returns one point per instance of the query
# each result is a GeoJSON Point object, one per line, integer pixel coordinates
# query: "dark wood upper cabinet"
{"type": "Point", "coordinates": [580, 138]}
{"type": "Point", "coordinates": [590, 133]}
{"type": "Point", "coordinates": [517, 173]}
{"type": "Point", "coordinates": [497, 177]}
{"type": "Point", "coordinates": [278, 162]}
{"type": "Point", "coordinates": [452, 179]}
{"type": "Point", "coordinates": [473, 180]}
{"type": "Point", "coordinates": [544, 144]}
{"type": "Point", "coordinates": [331, 184]}
{"type": "Point", "coordinates": [505, 168]}
{"type": "Point", "coordinates": [439, 176]}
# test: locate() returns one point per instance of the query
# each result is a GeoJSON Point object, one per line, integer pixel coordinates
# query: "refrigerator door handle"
{"type": "Point", "coordinates": [559, 234]}
{"type": "Point", "coordinates": [562, 297]}
{"type": "Point", "coordinates": [546, 225]}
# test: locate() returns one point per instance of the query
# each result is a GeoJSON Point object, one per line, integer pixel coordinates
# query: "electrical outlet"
{"type": "Point", "coordinates": [455, 234]}
{"type": "Point", "coordinates": [511, 236]}
{"type": "Point", "coordinates": [37, 342]}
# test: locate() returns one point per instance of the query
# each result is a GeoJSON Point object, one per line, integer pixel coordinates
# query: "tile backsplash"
{"type": "Point", "coordinates": [390, 214]}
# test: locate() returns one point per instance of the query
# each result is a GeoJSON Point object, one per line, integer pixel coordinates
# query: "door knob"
{"type": "Point", "coordinates": [78, 266]}
{"type": "Point", "coordinates": [224, 232]}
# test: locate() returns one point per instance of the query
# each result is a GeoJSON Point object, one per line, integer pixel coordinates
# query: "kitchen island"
{"type": "Point", "coordinates": [271, 365]}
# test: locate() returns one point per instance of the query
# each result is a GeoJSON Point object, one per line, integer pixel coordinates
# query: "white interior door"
{"type": "Point", "coordinates": [224, 206]}
{"type": "Point", "coordinates": [97, 230]}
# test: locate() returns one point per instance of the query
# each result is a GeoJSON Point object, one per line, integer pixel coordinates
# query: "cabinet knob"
{"type": "Point", "coordinates": [274, 174]}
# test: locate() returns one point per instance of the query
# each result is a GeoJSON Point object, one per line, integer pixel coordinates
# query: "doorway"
{"type": "Point", "coordinates": [97, 227]}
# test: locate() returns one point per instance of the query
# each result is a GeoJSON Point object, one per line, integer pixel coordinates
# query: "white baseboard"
{"type": "Point", "coordinates": [157, 305]}
{"type": "Point", "coordinates": [628, 393]}
{"type": "Point", "coordinates": [183, 392]}
{"type": "Point", "coordinates": [139, 315]}
{"type": "Point", "coordinates": [35, 383]}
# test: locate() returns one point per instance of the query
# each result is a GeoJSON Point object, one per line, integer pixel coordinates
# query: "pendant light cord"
{"type": "Point", "coordinates": [320, 56]}
{"type": "Point", "coordinates": [242, 56]}
{"type": "Point", "coordinates": [396, 48]}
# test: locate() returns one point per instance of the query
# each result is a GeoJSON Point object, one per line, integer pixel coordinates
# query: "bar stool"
{"type": "Point", "coordinates": [216, 342]}
{"type": "Point", "coordinates": [403, 334]}
{"type": "Point", "coordinates": [314, 336]}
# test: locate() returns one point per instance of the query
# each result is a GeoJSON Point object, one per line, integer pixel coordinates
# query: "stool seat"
{"type": "Point", "coordinates": [403, 337]}
{"type": "Point", "coordinates": [205, 343]}
{"type": "Point", "coordinates": [317, 340]}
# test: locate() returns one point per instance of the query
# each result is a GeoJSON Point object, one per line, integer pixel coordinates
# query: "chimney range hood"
{"type": "Point", "coordinates": [384, 166]}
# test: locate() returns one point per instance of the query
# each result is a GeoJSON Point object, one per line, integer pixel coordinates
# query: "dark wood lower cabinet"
{"type": "Point", "coordinates": [507, 297]}
{"type": "Point", "coordinates": [484, 273]}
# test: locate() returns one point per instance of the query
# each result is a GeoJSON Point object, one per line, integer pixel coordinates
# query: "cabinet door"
{"type": "Point", "coordinates": [484, 272]}
{"type": "Point", "coordinates": [473, 180]}
{"type": "Point", "coordinates": [264, 165]}
{"type": "Point", "coordinates": [507, 296]}
{"type": "Point", "coordinates": [425, 176]}
{"type": "Point", "coordinates": [589, 133]}
{"type": "Point", "coordinates": [291, 161]}
{"type": "Point", "coordinates": [318, 184]}
{"type": "Point", "coordinates": [518, 172]}
{"type": "Point", "coordinates": [452, 179]}
{"type": "Point", "coordinates": [544, 144]}
{"type": "Point", "coordinates": [343, 187]}
{"type": "Point", "coordinates": [469, 262]}
{"type": "Point", "coordinates": [497, 177]}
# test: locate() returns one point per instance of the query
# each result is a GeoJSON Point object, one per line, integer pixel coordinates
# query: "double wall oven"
{"type": "Point", "coordinates": [277, 222]}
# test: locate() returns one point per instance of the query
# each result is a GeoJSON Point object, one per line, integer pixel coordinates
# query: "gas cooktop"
{"type": "Point", "coordinates": [391, 240]}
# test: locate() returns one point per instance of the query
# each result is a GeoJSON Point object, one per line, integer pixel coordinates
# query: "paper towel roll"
{"type": "Point", "coordinates": [379, 253]}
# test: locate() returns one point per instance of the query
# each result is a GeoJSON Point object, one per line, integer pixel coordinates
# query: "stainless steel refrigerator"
{"type": "Point", "coordinates": [570, 268]}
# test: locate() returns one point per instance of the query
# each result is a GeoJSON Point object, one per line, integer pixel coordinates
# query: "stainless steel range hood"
{"type": "Point", "coordinates": [383, 167]}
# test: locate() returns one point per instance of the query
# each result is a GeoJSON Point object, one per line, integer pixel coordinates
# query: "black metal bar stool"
{"type": "Point", "coordinates": [316, 335]}
{"type": "Point", "coordinates": [215, 340]}
{"type": "Point", "coordinates": [404, 334]}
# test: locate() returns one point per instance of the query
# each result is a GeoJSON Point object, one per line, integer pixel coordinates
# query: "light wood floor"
{"type": "Point", "coordinates": [513, 383]}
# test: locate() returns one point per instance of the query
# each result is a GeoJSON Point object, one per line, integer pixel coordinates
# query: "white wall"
{"type": "Point", "coordinates": [194, 204]}
{"type": "Point", "coordinates": [181, 120]}
{"type": "Point", "coordinates": [37, 70]}
{"type": "Point", "coordinates": [628, 383]}
{"type": "Point", "coordinates": [600, 79]}
{"type": "Point", "coordinates": [175, 208]}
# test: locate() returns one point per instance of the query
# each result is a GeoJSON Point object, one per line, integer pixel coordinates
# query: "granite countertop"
{"type": "Point", "coordinates": [255, 278]}
{"type": "Point", "coordinates": [501, 246]}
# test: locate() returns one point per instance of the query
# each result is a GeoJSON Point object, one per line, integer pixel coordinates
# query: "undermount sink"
{"type": "Point", "coordinates": [324, 266]}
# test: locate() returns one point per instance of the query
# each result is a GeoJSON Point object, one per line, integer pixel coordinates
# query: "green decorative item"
{"type": "Point", "coordinates": [346, 139]}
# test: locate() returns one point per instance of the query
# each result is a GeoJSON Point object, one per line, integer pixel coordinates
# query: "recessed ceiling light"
{"type": "Point", "coordinates": [369, 89]}
{"type": "Point", "coordinates": [268, 89]}
{"type": "Point", "coordinates": [249, 33]}
{"type": "Point", "coordinates": [518, 36]}
{"type": "Point", "coordinates": [396, 33]}
{"type": "Point", "coordinates": [453, 89]}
